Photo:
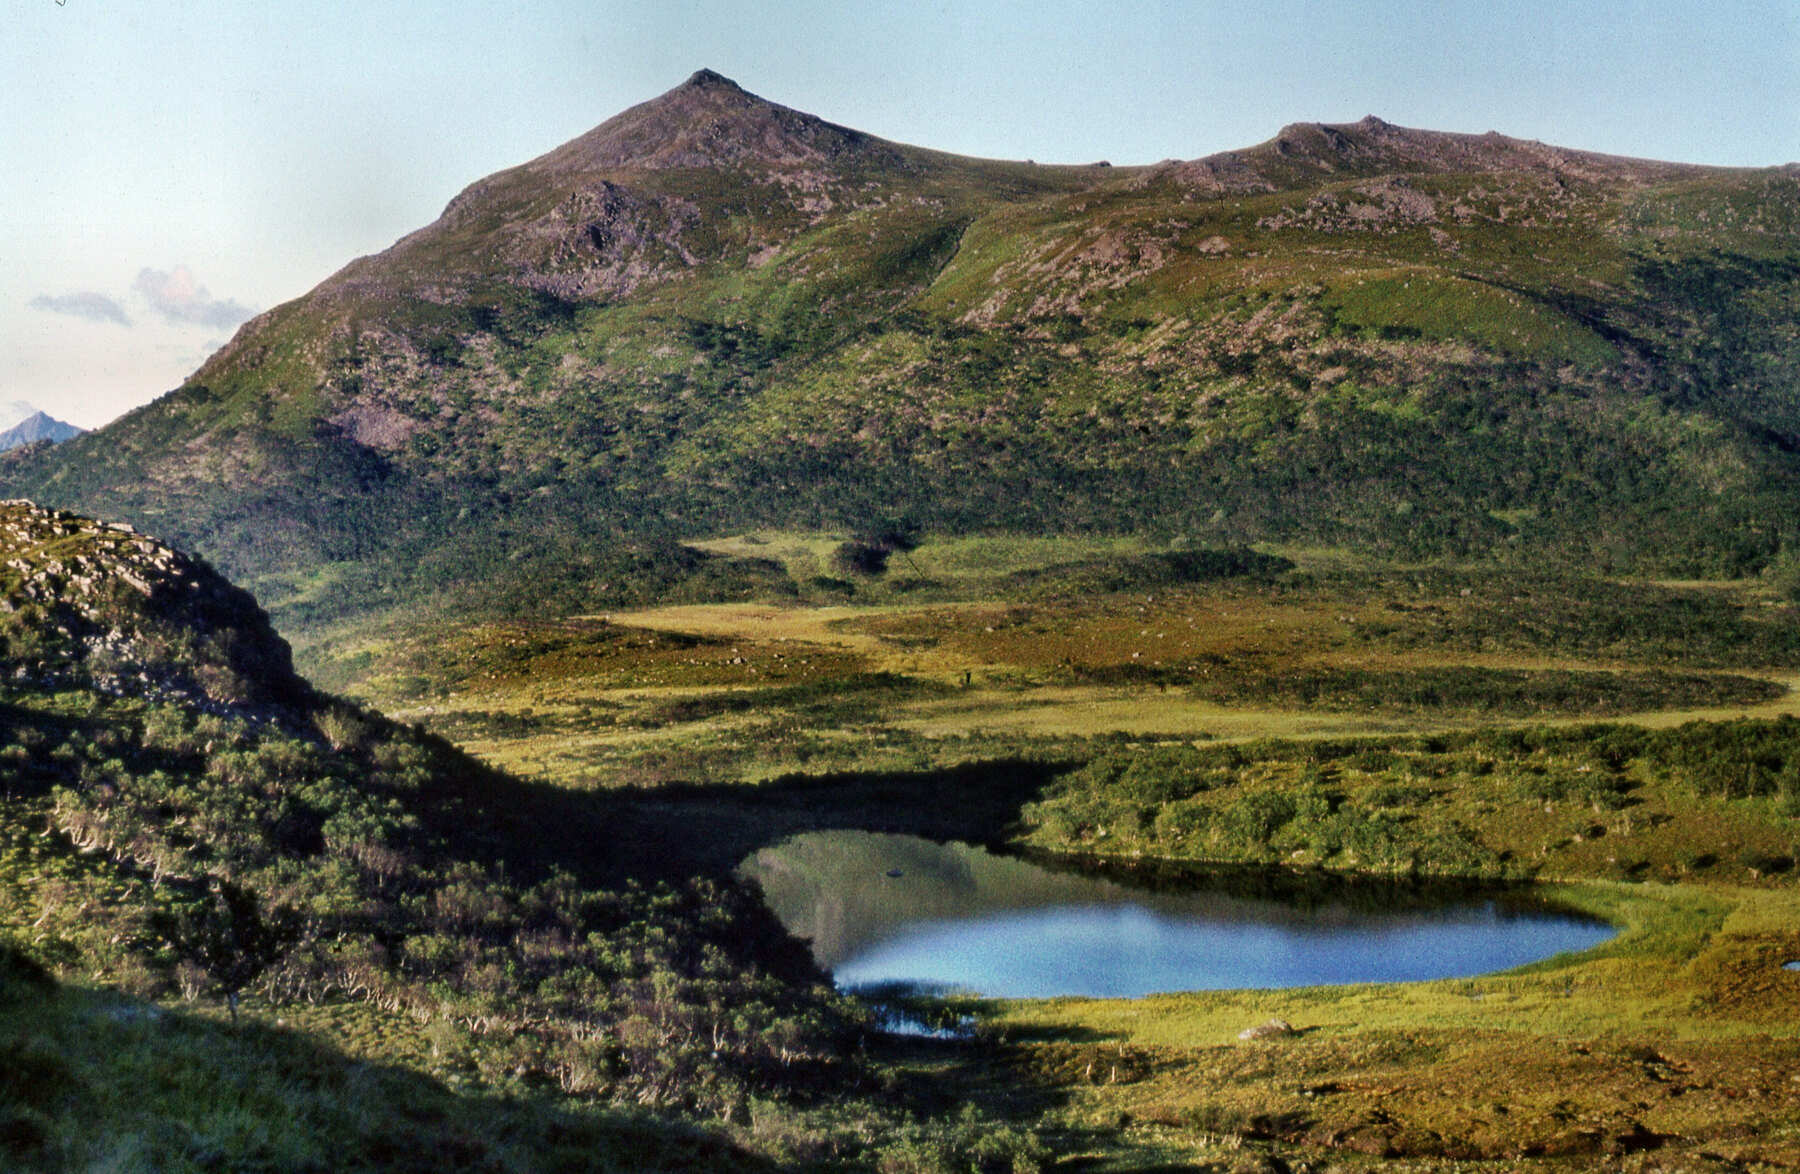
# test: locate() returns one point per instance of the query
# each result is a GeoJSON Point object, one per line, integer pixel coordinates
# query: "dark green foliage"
{"type": "Point", "coordinates": [21, 976]}
{"type": "Point", "coordinates": [1736, 759]}
{"type": "Point", "coordinates": [1499, 691]}
{"type": "Point", "coordinates": [358, 859]}
{"type": "Point", "coordinates": [98, 1080]}
{"type": "Point", "coordinates": [35, 1076]}
{"type": "Point", "coordinates": [895, 535]}
{"type": "Point", "coordinates": [1730, 353]}
{"type": "Point", "coordinates": [1138, 572]}
{"type": "Point", "coordinates": [739, 345]}
{"type": "Point", "coordinates": [35, 1084]}
{"type": "Point", "coordinates": [1519, 609]}
{"type": "Point", "coordinates": [1385, 808]}
{"type": "Point", "coordinates": [1157, 774]}
{"type": "Point", "coordinates": [232, 938]}
{"type": "Point", "coordinates": [860, 558]}
{"type": "Point", "coordinates": [868, 551]}
{"type": "Point", "coordinates": [838, 701]}
{"type": "Point", "coordinates": [1600, 791]}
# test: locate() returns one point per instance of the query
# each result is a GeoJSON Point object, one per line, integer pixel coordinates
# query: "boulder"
{"type": "Point", "coordinates": [1273, 1028]}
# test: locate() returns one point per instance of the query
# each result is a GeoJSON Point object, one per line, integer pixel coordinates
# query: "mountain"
{"type": "Point", "coordinates": [713, 312]}
{"type": "Point", "coordinates": [15, 412]}
{"type": "Point", "coordinates": [35, 427]}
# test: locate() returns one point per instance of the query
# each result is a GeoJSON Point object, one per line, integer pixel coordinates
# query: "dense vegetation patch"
{"type": "Point", "coordinates": [1615, 801]}
{"type": "Point", "coordinates": [94, 1078]}
{"type": "Point", "coordinates": [356, 859]}
{"type": "Point", "coordinates": [1469, 689]}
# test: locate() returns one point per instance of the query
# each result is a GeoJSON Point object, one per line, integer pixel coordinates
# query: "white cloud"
{"type": "Point", "coordinates": [179, 297]}
{"type": "Point", "coordinates": [95, 307]}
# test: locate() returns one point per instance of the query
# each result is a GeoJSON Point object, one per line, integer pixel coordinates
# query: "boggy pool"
{"type": "Point", "coordinates": [885, 910]}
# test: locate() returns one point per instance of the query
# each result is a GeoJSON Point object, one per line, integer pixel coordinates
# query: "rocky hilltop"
{"type": "Point", "coordinates": [101, 606]}
{"type": "Point", "coordinates": [715, 312]}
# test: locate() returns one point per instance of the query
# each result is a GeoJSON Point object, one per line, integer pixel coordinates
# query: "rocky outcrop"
{"type": "Point", "coordinates": [101, 606]}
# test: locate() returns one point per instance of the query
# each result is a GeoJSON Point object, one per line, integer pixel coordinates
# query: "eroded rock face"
{"type": "Point", "coordinates": [102, 606]}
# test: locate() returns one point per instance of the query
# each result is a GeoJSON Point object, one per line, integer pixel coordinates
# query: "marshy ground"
{"type": "Point", "coordinates": [949, 696]}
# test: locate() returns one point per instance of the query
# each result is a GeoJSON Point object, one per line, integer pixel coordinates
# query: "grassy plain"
{"type": "Point", "coordinates": [969, 643]}
{"type": "Point", "coordinates": [985, 690]}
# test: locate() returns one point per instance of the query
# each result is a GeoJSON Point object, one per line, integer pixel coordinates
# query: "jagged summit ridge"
{"type": "Point", "coordinates": [612, 211]}
{"type": "Point", "coordinates": [714, 312]}
{"type": "Point", "coordinates": [1304, 153]}
{"type": "Point", "coordinates": [1372, 143]}
{"type": "Point", "coordinates": [632, 203]}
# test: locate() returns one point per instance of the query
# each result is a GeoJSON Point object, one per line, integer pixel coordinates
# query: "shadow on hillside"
{"type": "Point", "coordinates": [674, 832]}
{"type": "Point", "coordinates": [76, 1050]}
{"type": "Point", "coordinates": [708, 828]}
{"type": "Point", "coordinates": [29, 776]}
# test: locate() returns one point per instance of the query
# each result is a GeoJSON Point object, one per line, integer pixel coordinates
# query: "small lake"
{"type": "Point", "coordinates": [883, 909]}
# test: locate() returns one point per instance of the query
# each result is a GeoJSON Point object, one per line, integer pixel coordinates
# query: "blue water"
{"type": "Point", "coordinates": [1124, 951]}
{"type": "Point", "coordinates": [883, 910]}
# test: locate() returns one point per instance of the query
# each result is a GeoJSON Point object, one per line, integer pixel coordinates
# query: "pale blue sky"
{"type": "Point", "coordinates": [166, 168]}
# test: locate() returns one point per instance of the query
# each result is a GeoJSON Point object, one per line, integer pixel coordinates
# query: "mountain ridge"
{"type": "Point", "coordinates": [1383, 144]}
{"type": "Point", "coordinates": [712, 311]}
{"type": "Point", "coordinates": [602, 218]}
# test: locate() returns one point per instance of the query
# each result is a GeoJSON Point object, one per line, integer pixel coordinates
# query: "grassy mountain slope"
{"type": "Point", "coordinates": [712, 312]}
{"type": "Point", "coordinates": [183, 818]}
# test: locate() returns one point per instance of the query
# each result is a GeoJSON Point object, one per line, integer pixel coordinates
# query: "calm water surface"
{"type": "Point", "coordinates": [882, 909]}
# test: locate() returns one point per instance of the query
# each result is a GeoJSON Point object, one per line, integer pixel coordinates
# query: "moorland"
{"type": "Point", "coordinates": [1372, 503]}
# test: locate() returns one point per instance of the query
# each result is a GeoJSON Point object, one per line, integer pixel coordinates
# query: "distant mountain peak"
{"type": "Point", "coordinates": [37, 426]}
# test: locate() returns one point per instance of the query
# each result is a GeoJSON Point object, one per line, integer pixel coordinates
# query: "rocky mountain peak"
{"type": "Point", "coordinates": [602, 215]}
{"type": "Point", "coordinates": [702, 79]}
{"type": "Point", "coordinates": [708, 121]}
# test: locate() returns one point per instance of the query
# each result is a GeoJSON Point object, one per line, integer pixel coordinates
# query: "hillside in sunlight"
{"type": "Point", "coordinates": [713, 312]}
